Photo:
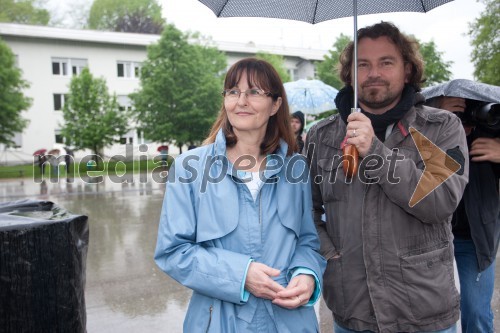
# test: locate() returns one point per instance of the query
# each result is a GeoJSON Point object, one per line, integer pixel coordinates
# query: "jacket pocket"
{"type": "Point", "coordinates": [429, 281]}
{"type": "Point", "coordinates": [333, 286]}
{"type": "Point", "coordinates": [202, 315]}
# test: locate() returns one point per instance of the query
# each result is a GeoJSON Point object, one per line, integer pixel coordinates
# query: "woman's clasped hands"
{"type": "Point", "coordinates": [260, 283]}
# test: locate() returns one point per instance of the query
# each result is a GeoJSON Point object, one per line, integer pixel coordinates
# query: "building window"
{"type": "Point", "coordinates": [294, 74]}
{"type": "Point", "coordinates": [128, 138]}
{"type": "Point", "coordinates": [128, 69]}
{"type": "Point", "coordinates": [59, 100]}
{"type": "Point", "coordinates": [68, 66]}
{"type": "Point", "coordinates": [59, 137]}
{"type": "Point", "coordinates": [77, 65]}
{"type": "Point", "coordinates": [124, 103]}
{"type": "Point", "coordinates": [59, 67]}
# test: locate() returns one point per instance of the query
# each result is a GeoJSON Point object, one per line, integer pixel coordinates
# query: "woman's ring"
{"type": "Point", "coordinates": [354, 133]}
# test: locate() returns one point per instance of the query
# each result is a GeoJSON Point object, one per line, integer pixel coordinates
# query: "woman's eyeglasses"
{"type": "Point", "coordinates": [250, 94]}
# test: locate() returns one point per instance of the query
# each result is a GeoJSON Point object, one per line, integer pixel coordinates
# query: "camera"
{"type": "Point", "coordinates": [486, 115]}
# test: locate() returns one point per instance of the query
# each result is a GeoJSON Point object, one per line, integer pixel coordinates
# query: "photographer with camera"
{"type": "Point", "coordinates": [476, 222]}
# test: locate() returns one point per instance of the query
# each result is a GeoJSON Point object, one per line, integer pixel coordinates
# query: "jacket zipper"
{"type": "Point", "coordinates": [209, 318]}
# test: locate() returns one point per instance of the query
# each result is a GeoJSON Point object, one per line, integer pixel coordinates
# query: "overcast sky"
{"type": "Point", "coordinates": [446, 25]}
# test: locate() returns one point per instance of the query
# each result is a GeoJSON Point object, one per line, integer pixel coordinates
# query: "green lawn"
{"type": "Point", "coordinates": [33, 170]}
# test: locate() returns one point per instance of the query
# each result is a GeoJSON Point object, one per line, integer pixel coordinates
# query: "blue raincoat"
{"type": "Point", "coordinates": [211, 228]}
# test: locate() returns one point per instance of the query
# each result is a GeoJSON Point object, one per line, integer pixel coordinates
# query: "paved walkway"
{"type": "Point", "coordinates": [125, 291]}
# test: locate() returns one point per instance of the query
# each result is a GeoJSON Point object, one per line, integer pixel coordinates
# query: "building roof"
{"type": "Point", "coordinates": [134, 39]}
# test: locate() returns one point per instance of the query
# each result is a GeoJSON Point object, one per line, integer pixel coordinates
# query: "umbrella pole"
{"type": "Point", "coordinates": [355, 51]}
{"type": "Point", "coordinates": [350, 153]}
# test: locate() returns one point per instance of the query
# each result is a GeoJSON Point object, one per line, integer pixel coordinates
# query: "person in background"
{"type": "Point", "coordinates": [389, 256]}
{"type": "Point", "coordinates": [298, 120]}
{"type": "Point", "coordinates": [476, 222]}
{"type": "Point", "coordinates": [230, 233]}
{"type": "Point", "coordinates": [42, 158]}
{"type": "Point", "coordinates": [69, 158]}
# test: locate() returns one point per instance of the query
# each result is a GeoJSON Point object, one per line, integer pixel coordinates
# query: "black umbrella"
{"type": "Point", "coordinates": [465, 89]}
{"type": "Point", "coordinates": [316, 11]}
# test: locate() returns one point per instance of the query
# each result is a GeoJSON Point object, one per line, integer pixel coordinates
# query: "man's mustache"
{"type": "Point", "coordinates": [374, 82]}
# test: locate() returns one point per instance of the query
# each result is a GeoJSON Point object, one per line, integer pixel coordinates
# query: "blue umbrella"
{"type": "Point", "coordinates": [310, 96]}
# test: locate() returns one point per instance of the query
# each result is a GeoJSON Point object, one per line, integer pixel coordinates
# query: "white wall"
{"type": "Point", "coordinates": [36, 46]}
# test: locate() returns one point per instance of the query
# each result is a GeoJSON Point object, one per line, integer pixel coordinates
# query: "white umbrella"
{"type": "Point", "coordinates": [310, 96]}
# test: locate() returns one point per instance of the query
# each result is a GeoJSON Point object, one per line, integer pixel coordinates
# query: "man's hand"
{"type": "Point", "coordinates": [297, 293]}
{"type": "Point", "coordinates": [485, 149]}
{"type": "Point", "coordinates": [360, 132]}
{"type": "Point", "coordinates": [259, 282]}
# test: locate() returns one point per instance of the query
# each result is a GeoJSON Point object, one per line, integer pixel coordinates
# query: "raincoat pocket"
{"type": "Point", "coordinates": [429, 281]}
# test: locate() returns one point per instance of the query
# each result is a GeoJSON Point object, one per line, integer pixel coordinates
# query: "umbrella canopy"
{"type": "Point", "coordinates": [54, 152]}
{"type": "Point", "coordinates": [310, 96]}
{"type": "Point", "coordinates": [40, 152]}
{"type": "Point", "coordinates": [465, 89]}
{"type": "Point", "coordinates": [316, 11]}
{"type": "Point", "coordinates": [58, 149]}
{"type": "Point", "coordinates": [162, 148]}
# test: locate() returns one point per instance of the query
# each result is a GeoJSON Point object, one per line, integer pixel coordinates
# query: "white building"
{"type": "Point", "coordinates": [48, 57]}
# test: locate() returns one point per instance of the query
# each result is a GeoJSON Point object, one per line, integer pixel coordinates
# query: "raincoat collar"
{"type": "Point", "coordinates": [274, 162]}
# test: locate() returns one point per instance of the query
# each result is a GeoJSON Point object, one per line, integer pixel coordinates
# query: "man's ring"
{"type": "Point", "coordinates": [354, 133]}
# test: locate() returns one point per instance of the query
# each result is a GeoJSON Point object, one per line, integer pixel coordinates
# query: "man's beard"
{"type": "Point", "coordinates": [371, 96]}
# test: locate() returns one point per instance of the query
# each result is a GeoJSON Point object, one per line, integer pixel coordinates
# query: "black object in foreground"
{"type": "Point", "coordinates": [43, 250]}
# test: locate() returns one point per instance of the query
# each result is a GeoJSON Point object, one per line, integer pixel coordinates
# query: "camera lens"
{"type": "Point", "coordinates": [487, 115]}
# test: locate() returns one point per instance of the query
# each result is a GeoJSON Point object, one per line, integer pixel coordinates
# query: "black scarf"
{"type": "Point", "coordinates": [344, 103]}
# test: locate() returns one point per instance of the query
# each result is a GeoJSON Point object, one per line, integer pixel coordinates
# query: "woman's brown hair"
{"type": "Point", "coordinates": [260, 74]}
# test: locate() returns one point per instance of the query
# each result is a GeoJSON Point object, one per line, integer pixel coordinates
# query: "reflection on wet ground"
{"type": "Point", "coordinates": [125, 291]}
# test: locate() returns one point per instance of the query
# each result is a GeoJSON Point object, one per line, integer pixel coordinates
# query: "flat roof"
{"type": "Point", "coordinates": [134, 39]}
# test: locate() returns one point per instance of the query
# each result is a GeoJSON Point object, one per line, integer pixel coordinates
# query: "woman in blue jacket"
{"type": "Point", "coordinates": [236, 225]}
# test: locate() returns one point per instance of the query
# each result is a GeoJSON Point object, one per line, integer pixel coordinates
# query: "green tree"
{"type": "Point", "coordinates": [23, 11]}
{"type": "Point", "coordinates": [278, 62]}
{"type": "Point", "coordinates": [436, 69]}
{"type": "Point", "coordinates": [485, 34]}
{"type": "Point", "coordinates": [327, 69]}
{"type": "Point", "coordinates": [139, 16]}
{"type": "Point", "coordinates": [181, 86]}
{"type": "Point", "coordinates": [92, 119]}
{"type": "Point", "coordinates": [12, 99]}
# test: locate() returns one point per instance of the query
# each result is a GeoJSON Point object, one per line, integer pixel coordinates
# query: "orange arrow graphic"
{"type": "Point", "coordinates": [438, 167]}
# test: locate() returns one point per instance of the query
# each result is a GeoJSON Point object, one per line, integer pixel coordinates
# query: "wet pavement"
{"type": "Point", "coordinates": [125, 291]}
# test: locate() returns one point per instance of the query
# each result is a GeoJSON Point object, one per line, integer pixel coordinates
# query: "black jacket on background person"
{"type": "Point", "coordinates": [478, 214]}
